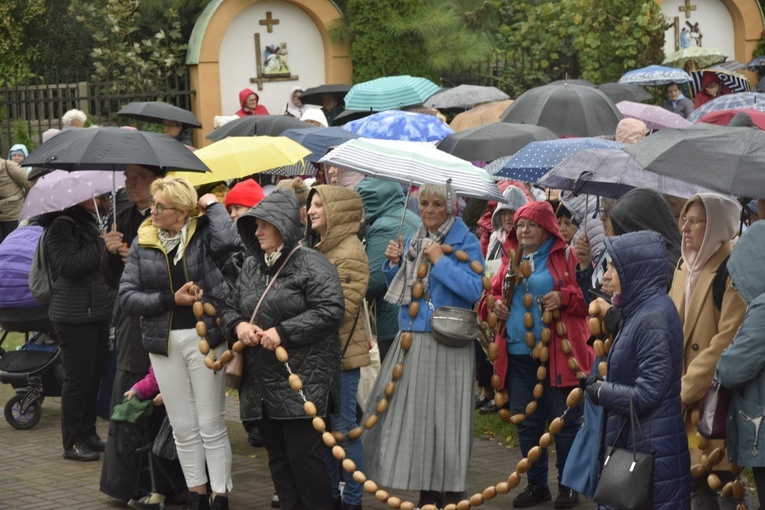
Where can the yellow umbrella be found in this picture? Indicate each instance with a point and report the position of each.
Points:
(237, 157)
(480, 115)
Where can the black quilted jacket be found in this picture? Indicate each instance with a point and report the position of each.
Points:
(305, 305)
(145, 285)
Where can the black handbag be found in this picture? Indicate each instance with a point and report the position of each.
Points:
(626, 480)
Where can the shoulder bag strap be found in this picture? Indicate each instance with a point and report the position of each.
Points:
(350, 335)
(262, 296)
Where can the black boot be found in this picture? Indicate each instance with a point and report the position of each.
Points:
(197, 502)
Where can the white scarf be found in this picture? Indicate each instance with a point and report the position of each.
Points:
(170, 242)
(274, 256)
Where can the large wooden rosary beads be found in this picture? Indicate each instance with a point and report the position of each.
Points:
(200, 309)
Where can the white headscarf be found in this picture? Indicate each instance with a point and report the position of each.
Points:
(292, 108)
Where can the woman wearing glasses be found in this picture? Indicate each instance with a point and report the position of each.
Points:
(552, 286)
(172, 264)
(711, 312)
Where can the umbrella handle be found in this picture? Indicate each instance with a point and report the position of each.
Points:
(403, 214)
(98, 214)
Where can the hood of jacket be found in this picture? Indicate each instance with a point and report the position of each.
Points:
(282, 210)
(540, 213)
(244, 94)
(747, 262)
(379, 197)
(19, 147)
(721, 225)
(581, 206)
(343, 210)
(640, 259)
(645, 209)
(515, 199)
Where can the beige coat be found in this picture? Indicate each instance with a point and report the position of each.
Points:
(13, 187)
(343, 210)
(707, 333)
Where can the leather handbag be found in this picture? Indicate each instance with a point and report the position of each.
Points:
(626, 480)
(454, 327)
(235, 367)
(714, 411)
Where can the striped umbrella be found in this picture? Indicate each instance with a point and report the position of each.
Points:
(389, 93)
(735, 81)
(414, 163)
(737, 101)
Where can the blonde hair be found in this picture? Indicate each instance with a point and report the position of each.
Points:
(298, 187)
(178, 191)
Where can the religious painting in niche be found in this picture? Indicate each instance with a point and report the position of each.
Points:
(276, 60)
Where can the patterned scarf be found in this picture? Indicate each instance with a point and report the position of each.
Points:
(170, 242)
(271, 259)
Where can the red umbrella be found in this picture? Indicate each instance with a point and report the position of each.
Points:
(723, 117)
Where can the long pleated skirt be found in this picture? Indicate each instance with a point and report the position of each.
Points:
(423, 440)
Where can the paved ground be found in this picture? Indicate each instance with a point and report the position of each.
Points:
(34, 475)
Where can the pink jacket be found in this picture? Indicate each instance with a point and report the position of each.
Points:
(147, 387)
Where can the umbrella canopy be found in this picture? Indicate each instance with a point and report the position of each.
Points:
(618, 92)
(655, 117)
(701, 57)
(756, 63)
(611, 173)
(465, 96)
(59, 190)
(655, 75)
(537, 158)
(157, 111)
(390, 93)
(400, 125)
(567, 110)
(319, 140)
(739, 101)
(416, 163)
(313, 95)
(350, 115)
(578, 81)
(729, 160)
(480, 115)
(112, 148)
(487, 143)
(724, 117)
(735, 81)
(237, 157)
(731, 65)
(250, 126)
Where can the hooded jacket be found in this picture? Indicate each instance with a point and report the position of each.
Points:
(702, 97)
(13, 187)
(243, 95)
(707, 330)
(741, 365)
(343, 211)
(580, 206)
(561, 264)
(645, 365)
(19, 147)
(146, 290)
(495, 251)
(383, 206)
(305, 305)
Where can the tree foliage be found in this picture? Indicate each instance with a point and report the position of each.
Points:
(17, 18)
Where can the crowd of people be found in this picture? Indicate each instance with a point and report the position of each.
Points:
(295, 273)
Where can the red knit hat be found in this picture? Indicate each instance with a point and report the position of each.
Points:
(246, 193)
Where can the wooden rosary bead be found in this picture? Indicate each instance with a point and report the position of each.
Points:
(382, 406)
(495, 381)
(541, 373)
(281, 354)
(595, 329)
(198, 309)
(714, 482)
(382, 495)
(502, 488)
(414, 309)
(486, 282)
(545, 334)
(513, 480)
(422, 270)
(355, 432)
(599, 348)
(476, 499)
(370, 421)
(529, 338)
(565, 346)
(447, 249)
(490, 302)
(493, 353)
(547, 317)
(539, 390)
(491, 320)
(477, 267)
(394, 502)
(201, 328)
(499, 400)
(390, 389)
(328, 439)
(546, 440)
(398, 370)
(370, 486)
(309, 408)
(217, 366)
(319, 424)
(531, 407)
(575, 398)
(338, 452)
(556, 426)
(528, 300)
(226, 356)
(204, 346)
(417, 290)
(594, 309)
(504, 415)
(359, 477)
(238, 346)
(517, 419)
(535, 454)
(295, 382)
(462, 255)
(525, 268)
(528, 320)
(523, 466)
(209, 362)
(349, 466)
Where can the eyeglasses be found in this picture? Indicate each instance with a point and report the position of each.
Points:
(160, 207)
(691, 222)
(523, 226)
(602, 213)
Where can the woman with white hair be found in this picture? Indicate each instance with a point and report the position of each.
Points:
(73, 118)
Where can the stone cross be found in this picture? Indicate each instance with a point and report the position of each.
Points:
(687, 8)
(271, 22)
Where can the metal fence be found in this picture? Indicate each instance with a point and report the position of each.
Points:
(486, 72)
(40, 105)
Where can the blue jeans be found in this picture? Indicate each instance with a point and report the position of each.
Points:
(343, 422)
(522, 371)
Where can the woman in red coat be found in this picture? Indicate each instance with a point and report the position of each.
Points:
(711, 88)
(248, 99)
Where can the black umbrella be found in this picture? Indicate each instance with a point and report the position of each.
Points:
(567, 110)
(580, 82)
(111, 148)
(487, 143)
(725, 159)
(157, 111)
(272, 125)
(619, 92)
(313, 95)
(350, 115)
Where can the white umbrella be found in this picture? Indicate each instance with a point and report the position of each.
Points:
(414, 163)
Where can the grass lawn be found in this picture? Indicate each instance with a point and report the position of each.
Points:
(491, 426)
(12, 341)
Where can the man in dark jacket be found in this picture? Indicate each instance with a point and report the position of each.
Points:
(383, 206)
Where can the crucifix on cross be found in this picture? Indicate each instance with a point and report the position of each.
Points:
(261, 77)
(687, 8)
(269, 22)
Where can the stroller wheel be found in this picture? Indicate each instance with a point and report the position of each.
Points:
(22, 412)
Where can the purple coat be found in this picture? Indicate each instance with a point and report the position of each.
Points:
(16, 253)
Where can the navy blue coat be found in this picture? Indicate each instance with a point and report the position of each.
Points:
(645, 364)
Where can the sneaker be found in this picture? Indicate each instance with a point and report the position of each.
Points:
(567, 498)
(489, 408)
(151, 501)
(275, 503)
(481, 400)
(197, 502)
(219, 503)
(80, 452)
(532, 495)
(95, 443)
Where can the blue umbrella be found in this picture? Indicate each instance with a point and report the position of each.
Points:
(389, 93)
(319, 139)
(537, 158)
(736, 101)
(655, 75)
(400, 125)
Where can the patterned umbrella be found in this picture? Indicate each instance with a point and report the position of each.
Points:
(735, 81)
(701, 57)
(400, 125)
(480, 115)
(655, 75)
(465, 96)
(389, 93)
(737, 101)
(416, 163)
(756, 63)
(655, 117)
(537, 158)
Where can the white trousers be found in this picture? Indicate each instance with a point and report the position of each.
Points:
(195, 400)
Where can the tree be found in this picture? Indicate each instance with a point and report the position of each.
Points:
(17, 18)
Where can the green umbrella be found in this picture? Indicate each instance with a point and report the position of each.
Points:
(132, 409)
(389, 93)
(701, 57)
